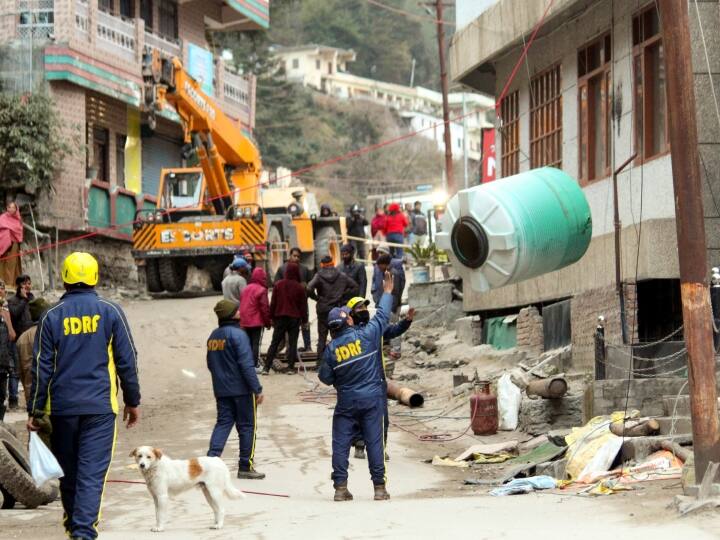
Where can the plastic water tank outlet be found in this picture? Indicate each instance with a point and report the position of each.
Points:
(469, 242)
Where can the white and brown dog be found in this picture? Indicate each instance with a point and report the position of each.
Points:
(167, 477)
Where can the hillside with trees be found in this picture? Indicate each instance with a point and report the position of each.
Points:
(296, 127)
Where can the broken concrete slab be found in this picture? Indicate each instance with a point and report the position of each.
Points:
(538, 416)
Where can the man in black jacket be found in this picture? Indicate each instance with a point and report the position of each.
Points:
(329, 288)
(356, 224)
(21, 321)
(353, 269)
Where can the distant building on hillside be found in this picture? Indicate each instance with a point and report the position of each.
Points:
(310, 65)
(325, 69)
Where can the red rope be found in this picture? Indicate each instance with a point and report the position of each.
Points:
(506, 88)
(113, 481)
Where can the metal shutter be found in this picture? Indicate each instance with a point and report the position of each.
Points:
(158, 153)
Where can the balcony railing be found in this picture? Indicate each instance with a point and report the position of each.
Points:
(236, 89)
(82, 17)
(163, 45)
(116, 35)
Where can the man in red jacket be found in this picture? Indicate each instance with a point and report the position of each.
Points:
(395, 225)
(288, 310)
(255, 311)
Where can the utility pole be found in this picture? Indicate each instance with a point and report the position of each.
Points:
(450, 179)
(466, 173)
(694, 290)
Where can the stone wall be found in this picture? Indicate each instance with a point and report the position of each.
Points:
(645, 395)
(530, 331)
(586, 307)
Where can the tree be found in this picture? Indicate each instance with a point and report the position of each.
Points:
(32, 146)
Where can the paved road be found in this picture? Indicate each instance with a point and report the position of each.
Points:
(293, 449)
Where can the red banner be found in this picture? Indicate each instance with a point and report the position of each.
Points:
(488, 155)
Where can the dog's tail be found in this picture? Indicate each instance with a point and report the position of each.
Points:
(230, 490)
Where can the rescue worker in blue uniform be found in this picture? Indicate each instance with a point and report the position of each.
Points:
(358, 307)
(82, 347)
(352, 363)
(237, 389)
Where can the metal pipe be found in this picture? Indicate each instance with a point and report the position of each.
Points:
(406, 396)
(616, 222)
(551, 388)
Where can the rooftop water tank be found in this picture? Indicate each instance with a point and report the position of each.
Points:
(516, 228)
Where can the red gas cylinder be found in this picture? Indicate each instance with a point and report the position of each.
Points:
(483, 410)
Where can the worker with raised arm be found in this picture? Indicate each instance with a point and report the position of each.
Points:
(352, 363)
(82, 347)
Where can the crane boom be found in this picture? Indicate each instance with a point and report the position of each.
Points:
(218, 141)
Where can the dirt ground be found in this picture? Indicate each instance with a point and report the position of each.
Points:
(293, 449)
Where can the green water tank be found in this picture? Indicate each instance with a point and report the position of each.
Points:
(516, 228)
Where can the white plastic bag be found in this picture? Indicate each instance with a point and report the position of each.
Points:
(43, 464)
(509, 398)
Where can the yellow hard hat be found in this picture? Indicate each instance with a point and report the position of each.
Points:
(80, 267)
(357, 300)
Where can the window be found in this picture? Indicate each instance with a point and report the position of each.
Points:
(120, 160)
(594, 106)
(329, 68)
(317, 64)
(146, 13)
(510, 134)
(127, 8)
(100, 153)
(546, 119)
(168, 19)
(296, 63)
(650, 105)
(105, 5)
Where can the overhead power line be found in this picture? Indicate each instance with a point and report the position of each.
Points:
(408, 14)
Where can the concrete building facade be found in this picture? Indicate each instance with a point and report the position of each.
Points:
(589, 96)
(87, 54)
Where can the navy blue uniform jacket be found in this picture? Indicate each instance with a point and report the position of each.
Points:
(352, 362)
(231, 362)
(82, 346)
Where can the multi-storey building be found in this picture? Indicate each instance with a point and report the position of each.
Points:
(87, 55)
(590, 95)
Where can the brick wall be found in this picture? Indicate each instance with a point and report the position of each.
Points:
(586, 307)
(63, 208)
(530, 331)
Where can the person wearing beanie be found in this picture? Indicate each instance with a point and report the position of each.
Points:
(236, 387)
(36, 308)
(236, 281)
(329, 288)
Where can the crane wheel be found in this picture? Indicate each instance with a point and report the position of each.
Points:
(327, 242)
(172, 274)
(152, 276)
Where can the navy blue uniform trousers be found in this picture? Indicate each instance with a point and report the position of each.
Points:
(369, 415)
(357, 434)
(238, 411)
(83, 445)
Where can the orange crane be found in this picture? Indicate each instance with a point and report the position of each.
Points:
(206, 214)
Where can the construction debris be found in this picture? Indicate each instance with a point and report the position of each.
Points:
(524, 485)
(635, 428)
(550, 388)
